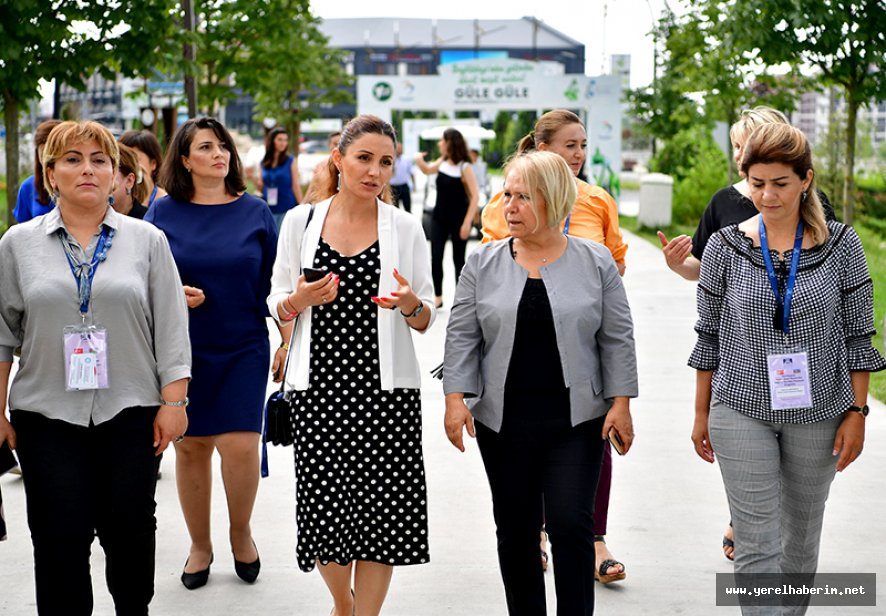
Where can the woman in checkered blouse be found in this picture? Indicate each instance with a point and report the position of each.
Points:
(778, 452)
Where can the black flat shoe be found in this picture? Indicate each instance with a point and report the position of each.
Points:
(248, 572)
(193, 581)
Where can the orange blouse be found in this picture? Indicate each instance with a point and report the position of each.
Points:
(594, 217)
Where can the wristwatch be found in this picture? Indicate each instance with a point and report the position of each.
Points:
(416, 312)
(864, 410)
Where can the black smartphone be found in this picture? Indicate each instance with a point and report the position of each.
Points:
(313, 275)
(615, 441)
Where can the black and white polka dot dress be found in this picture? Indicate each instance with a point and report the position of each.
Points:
(358, 460)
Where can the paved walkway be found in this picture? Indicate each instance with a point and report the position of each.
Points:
(667, 514)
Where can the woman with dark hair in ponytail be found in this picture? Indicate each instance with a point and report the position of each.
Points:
(456, 206)
(354, 371)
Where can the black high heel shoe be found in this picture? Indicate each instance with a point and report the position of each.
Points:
(193, 581)
(248, 572)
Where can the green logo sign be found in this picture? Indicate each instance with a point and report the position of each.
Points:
(572, 91)
(382, 91)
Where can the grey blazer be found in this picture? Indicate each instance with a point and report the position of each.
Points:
(592, 320)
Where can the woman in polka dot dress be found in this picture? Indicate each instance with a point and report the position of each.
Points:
(361, 504)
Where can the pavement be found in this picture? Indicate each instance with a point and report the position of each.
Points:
(666, 519)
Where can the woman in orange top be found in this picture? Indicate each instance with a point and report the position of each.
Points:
(595, 217)
(595, 213)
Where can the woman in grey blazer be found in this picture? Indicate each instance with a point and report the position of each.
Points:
(540, 353)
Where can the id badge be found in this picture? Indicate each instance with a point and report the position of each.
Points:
(86, 357)
(789, 384)
(272, 195)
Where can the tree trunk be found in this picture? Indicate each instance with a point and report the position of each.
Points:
(10, 118)
(849, 174)
(731, 114)
(293, 127)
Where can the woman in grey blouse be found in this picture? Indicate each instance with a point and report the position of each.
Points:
(94, 302)
(783, 358)
(540, 344)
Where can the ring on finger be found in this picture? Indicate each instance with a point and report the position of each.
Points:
(179, 438)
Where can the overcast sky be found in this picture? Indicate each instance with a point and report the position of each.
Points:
(605, 28)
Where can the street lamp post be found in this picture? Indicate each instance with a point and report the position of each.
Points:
(190, 57)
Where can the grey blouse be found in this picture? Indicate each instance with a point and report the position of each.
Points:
(136, 295)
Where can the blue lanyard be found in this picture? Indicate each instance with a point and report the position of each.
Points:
(783, 304)
(566, 226)
(83, 272)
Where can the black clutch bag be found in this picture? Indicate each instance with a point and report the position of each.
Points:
(7, 459)
(279, 428)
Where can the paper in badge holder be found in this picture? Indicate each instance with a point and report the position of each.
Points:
(86, 357)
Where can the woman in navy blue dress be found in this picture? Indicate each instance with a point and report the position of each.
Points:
(279, 182)
(224, 243)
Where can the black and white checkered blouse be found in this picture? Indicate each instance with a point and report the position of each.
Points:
(832, 318)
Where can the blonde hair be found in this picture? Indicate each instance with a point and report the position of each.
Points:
(67, 134)
(548, 175)
(129, 164)
(749, 119)
(782, 143)
(545, 129)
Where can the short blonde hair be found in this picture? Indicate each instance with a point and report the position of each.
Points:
(67, 134)
(751, 119)
(548, 175)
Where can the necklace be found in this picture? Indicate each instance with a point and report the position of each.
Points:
(514, 252)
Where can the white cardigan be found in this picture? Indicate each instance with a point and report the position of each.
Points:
(402, 245)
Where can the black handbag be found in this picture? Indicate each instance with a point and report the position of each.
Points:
(279, 428)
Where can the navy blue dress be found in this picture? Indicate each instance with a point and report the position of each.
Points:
(228, 250)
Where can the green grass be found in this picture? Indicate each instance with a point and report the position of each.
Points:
(875, 250)
(873, 238)
(630, 223)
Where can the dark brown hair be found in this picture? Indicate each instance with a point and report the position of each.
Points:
(546, 127)
(361, 125)
(145, 141)
(129, 164)
(456, 148)
(270, 158)
(782, 143)
(40, 137)
(177, 180)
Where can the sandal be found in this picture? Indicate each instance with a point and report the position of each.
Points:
(544, 554)
(600, 574)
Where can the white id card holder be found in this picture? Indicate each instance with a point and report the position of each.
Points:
(86, 357)
(273, 193)
(789, 384)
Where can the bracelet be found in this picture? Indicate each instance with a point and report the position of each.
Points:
(288, 314)
(284, 346)
(177, 403)
(418, 310)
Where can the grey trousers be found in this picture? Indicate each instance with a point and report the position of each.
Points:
(777, 478)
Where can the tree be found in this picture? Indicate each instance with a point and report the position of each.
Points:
(68, 41)
(844, 39)
(288, 66)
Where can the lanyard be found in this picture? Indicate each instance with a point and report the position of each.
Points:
(566, 226)
(84, 272)
(783, 304)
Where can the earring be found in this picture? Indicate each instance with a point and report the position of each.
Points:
(188, 169)
(803, 197)
(128, 191)
(338, 187)
(111, 200)
(54, 197)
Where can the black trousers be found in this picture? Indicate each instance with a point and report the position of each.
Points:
(83, 481)
(440, 233)
(402, 195)
(544, 473)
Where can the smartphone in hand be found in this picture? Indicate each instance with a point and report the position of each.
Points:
(313, 275)
(615, 441)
